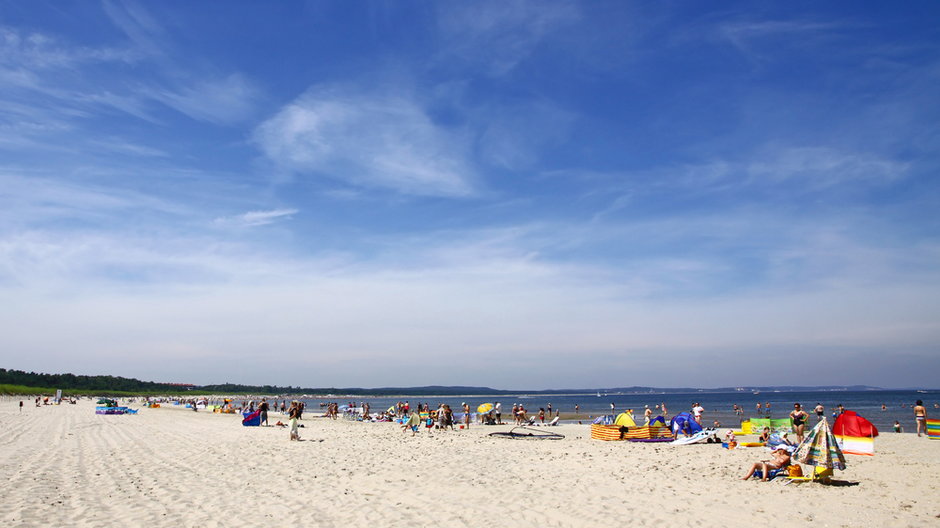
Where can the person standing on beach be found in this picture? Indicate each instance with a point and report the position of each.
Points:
(466, 415)
(498, 409)
(920, 416)
(577, 409)
(647, 415)
(697, 411)
(611, 407)
(294, 414)
(549, 409)
(760, 409)
(263, 407)
(799, 417)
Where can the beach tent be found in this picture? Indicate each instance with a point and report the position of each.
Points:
(820, 448)
(252, 419)
(855, 435)
(624, 419)
(684, 423)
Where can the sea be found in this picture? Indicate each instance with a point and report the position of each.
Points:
(718, 405)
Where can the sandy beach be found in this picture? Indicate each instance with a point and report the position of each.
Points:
(67, 466)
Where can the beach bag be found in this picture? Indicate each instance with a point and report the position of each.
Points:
(795, 470)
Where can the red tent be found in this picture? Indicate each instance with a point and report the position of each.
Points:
(849, 423)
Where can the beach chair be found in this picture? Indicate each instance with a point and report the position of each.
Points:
(820, 474)
(772, 474)
(554, 421)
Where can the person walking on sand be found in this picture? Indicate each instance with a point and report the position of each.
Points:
(21, 405)
(263, 407)
(294, 414)
(920, 416)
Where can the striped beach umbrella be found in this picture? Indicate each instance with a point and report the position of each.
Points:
(820, 448)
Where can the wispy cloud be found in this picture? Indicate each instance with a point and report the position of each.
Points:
(256, 218)
(497, 36)
(367, 140)
(221, 100)
(748, 35)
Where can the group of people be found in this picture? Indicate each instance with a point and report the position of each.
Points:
(441, 418)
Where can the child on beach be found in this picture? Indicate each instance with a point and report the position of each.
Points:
(897, 426)
(764, 436)
(414, 421)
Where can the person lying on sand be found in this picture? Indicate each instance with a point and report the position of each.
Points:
(781, 458)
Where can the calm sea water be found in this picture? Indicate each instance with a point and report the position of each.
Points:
(718, 406)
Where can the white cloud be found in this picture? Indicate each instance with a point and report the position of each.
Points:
(256, 218)
(371, 141)
(497, 36)
(495, 302)
(221, 100)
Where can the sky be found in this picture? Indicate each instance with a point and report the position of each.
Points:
(513, 194)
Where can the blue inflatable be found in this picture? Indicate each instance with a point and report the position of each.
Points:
(684, 423)
(252, 419)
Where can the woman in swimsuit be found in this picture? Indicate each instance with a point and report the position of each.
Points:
(920, 416)
(781, 459)
(799, 417)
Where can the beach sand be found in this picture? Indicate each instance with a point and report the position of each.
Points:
(66, 466)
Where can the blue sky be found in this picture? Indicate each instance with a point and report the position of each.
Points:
(513, 194)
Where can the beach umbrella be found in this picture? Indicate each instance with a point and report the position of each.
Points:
(820, 448)
(485, 408)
